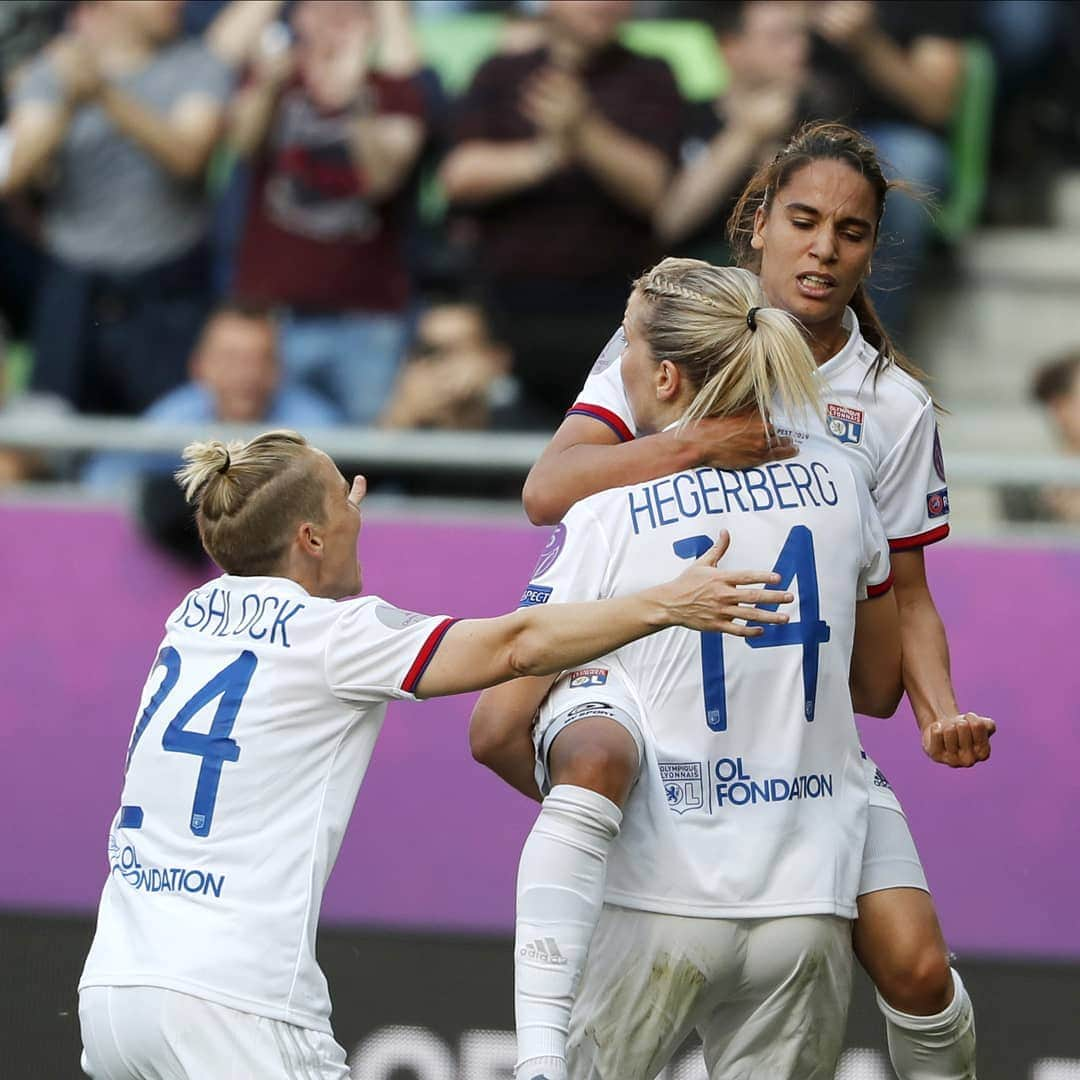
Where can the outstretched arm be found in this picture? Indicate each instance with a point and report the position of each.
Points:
(959, 740)
(543, 640)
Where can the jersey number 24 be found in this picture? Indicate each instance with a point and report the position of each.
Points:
(215, 747)
(795, 562)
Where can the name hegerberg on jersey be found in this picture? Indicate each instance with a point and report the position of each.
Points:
(710, 492)
(753, 795)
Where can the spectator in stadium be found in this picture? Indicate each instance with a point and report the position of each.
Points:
(458, 376)
(332, 120)
(765, 45)
(235, 378)
(115, 122)
(561, 157)
(1056, 387)
(894, 71)
(25, 27)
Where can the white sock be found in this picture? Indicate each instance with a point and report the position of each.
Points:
(940, 1047)
(560, 891)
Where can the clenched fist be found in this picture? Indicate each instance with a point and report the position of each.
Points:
(960, 741)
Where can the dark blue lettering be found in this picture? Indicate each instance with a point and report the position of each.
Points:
(279, 623)
(196, 603)
(779, 487)
(728, 492)
(753, 488)
(709, 489)
(662, 501)
(819, 467)
(244, 626)
(696, 504)
(794, 471)
(647, 508)
(267, 601)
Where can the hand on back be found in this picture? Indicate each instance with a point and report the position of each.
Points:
(705, 597)
(737, 442)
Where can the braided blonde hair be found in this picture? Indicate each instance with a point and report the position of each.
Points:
(250, 496)
(699, 318)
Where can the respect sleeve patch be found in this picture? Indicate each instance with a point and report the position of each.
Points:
(535, 594)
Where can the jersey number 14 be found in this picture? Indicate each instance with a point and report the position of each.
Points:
(795, 562)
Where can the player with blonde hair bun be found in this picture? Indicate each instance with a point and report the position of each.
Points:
(256, 726)
(706, 804)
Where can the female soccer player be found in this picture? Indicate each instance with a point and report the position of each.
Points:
(746, 827)
(807, 223)
(258, 721)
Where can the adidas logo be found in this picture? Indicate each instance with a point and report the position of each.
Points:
(543, 950)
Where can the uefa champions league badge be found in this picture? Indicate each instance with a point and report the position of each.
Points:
(610, 352)
(937, 503)
(844, 424)
(551, 551)
(939, 457)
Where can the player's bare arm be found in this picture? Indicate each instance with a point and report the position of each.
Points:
(876, 668)
(949, 737)
(585, 456)
(543, 640)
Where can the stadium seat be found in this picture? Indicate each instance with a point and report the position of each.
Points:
(969, 140)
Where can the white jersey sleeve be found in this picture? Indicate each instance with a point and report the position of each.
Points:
(603, 397)
(574, 563)
(911, 494)
(875, 577)
(377, 652)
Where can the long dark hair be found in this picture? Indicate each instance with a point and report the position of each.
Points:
(818, 141)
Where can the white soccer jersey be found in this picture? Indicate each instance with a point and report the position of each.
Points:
(256, 726)
(887, 425)
(753, 797)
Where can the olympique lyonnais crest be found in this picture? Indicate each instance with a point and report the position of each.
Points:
(592, 676)
(684, 785)
(844, 424)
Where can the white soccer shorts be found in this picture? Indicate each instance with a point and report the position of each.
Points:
(768, 997)
(147, 1033)
(890, 860)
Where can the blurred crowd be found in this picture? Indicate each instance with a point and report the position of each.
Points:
(280, 211)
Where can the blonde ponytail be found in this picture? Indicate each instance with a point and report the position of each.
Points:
(699, 318)
(249, 497)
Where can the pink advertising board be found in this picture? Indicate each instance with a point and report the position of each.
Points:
(434, 839)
